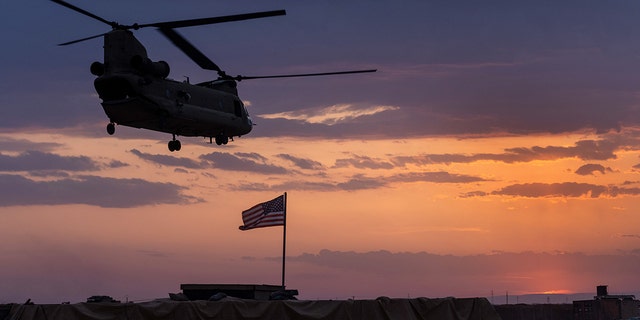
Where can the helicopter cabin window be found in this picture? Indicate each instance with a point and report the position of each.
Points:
(237, 108)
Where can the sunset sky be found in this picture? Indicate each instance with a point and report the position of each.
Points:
(497, 149)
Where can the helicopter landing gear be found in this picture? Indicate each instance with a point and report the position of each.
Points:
(111, 128)
(222, 139)
(174, 145)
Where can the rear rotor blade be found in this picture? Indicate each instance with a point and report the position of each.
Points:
(212, 20)
(191, 51)
(239, 78)
(85, 12)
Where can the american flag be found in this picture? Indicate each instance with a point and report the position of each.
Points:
(266, 214)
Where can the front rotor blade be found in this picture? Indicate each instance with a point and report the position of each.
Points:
(191, 51)
(83, 39)
(201, 21)
(85, 12)
(239, 78)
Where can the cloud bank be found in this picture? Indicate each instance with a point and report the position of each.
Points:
(90, 190)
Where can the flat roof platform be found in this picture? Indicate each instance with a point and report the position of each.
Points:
(243, 291)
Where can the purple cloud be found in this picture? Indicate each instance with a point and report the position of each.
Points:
(90, 190)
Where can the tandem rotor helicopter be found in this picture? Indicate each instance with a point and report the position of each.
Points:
(136, 92)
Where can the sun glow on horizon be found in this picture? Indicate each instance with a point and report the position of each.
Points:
(556, 291)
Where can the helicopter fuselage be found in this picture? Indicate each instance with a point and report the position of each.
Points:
(173, 107)
(136, 92)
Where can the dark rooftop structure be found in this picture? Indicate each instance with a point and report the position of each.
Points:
(229, 308)
(606, 307)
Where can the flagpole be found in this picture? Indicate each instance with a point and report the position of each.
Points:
(284, 238)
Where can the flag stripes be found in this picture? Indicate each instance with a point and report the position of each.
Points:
(266, 214)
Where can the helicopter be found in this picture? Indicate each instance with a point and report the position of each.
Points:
(136, 91)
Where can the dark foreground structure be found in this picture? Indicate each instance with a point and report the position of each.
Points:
(607, 307)
(233, 308)
(536, 311)
(603, 307)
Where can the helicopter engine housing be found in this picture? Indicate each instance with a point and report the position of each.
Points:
(158, 69)
(97, 68)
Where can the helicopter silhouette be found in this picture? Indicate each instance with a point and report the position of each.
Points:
(136, 92)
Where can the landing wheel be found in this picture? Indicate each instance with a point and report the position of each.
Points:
(174, 145)
(111, 128)
(222, 139)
